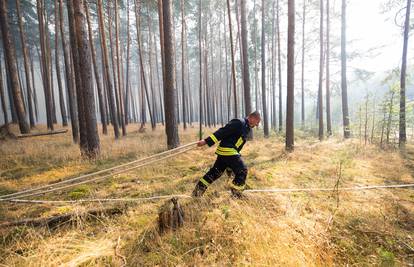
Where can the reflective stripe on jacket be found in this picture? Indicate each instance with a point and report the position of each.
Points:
(231, 137)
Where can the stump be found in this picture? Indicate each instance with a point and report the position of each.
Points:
(171, 216)
(6, 133)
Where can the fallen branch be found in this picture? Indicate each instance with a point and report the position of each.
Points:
(57, 220)
(42, 133)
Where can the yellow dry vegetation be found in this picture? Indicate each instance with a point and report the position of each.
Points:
(373, 227)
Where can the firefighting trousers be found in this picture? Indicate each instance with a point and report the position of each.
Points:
(235, 163)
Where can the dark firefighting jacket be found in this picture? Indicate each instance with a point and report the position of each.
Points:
(232, 137)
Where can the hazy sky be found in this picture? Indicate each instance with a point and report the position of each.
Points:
(368, 28)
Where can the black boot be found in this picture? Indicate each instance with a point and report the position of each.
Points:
(236, 193)
(199, 190)
(237, 190)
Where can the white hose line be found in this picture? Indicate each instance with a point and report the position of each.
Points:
(94, 173)
(94, 179)
(97, 200)
(276, 190)
(289, 190)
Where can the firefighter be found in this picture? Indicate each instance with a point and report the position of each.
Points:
(231, 139)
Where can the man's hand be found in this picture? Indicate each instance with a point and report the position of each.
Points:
(201, 143)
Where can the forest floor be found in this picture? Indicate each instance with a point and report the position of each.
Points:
(372, 227)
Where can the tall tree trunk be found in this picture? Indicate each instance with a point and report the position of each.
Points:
(228, 88)
(45, 68)
(118, 69)
(49, 63)
(220, 82)
(69, 81)
(207, 89)
(151, 73)
(273, 71)
(57, 64)
(3, 97)
(320, 102)
(183, 65)
(144, 81)
(255, 56)
(328, 90)
(303, 65)
(246, 73)
(169, 90)
(36, 109)
(344, 90)
(374, 111)
(127, 82)
(10, 93)
(77, 73)
(10, 54)
(402, 122)
(110, 89)
(200, 48)
(290, 101)
(279, 64)
(265, 120)
(233, 67)
(239, 43)
(190, 106)
(26, 65)
(102, 108)
(112, 55)
(85, 63)
(159, 84)
(177, 100)
(390, 112)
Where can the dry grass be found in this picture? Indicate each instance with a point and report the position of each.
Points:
(300, 229)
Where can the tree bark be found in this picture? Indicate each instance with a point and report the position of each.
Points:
(144, 81)
(77, 77)
(402, 122)
(264, 100)
(127, 82)
(112, 55)
(110, 89)
(279, 64)
(10, 54)
(246, 72)
(49, 61)
(344, 90)
(303, 65)
(69, 82)
(26, 65)
(45, 68)
(57, 65)
(233, 67)
(10, 93)
(169, 90)
(118, 69)
(102, 108)
(320, 102)
(239, 43)
(200, 48)
(159, 84)
(328, 89)
(183, 65)
(151, 75)
(34, 88)
(273, 72)
(290, 101)
(255, 56)
(2, 96)
(85, 64)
